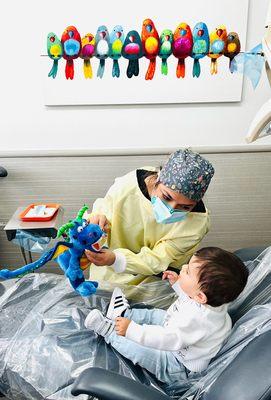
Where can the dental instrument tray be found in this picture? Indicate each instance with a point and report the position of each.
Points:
(39, 212)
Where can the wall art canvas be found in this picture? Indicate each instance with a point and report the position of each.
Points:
(142, 52)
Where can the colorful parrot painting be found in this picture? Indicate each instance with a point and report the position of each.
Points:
(166, 40)
(87, 51)
(217, 46)
(132, 50)
(183, 43)
(116, 43)
(182, 47)
(151, 45)
(102, 48)
(54, 51)
(201, 44)
(69, 254)
(232, 47)
(71, 42)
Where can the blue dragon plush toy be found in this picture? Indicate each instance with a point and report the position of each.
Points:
(79, 235)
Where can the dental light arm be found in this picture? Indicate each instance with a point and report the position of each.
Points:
(261, 125)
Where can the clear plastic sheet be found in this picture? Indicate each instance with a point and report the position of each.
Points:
(44, 345)
(31, 241)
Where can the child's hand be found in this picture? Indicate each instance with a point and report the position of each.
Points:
(100, 220)
(171, 276)
(122, 325)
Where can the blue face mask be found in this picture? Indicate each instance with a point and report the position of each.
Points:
(164, 214)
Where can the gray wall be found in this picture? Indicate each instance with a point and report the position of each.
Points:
(238, 197)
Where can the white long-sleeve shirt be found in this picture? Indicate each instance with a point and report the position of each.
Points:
(194, 332)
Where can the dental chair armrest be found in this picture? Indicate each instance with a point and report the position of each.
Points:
(107, 385)
(248, 376)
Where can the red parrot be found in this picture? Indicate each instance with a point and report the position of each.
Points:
(151, 45)
(71, 41)
(182, 47)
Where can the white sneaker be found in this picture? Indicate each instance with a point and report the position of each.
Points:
(118, 304)
(95, 321)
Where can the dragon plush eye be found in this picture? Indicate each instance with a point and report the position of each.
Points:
(79, 229)
(84, 224)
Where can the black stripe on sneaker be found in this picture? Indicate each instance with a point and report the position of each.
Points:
(117, 306)
(119, 302)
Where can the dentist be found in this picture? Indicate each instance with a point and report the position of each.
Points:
(154, 220)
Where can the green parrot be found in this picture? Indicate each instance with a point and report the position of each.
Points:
(166, 39)
(54, 51)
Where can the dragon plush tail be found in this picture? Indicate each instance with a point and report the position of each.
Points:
(180, 71)
(164, 67)
(27, 269)
(116, 69)
(53, 72)
(87, 69)
(196, 69)
(69, 70)
(151, 70)
(101, 68)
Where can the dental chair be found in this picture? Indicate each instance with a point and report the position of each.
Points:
(246, 377)
(47, 353)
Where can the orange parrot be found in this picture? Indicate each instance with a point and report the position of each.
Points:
(151, 45)
(218, 40)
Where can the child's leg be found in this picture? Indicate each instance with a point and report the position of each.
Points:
(162, 364)
(147, 316)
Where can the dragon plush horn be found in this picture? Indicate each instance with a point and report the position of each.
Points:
(82, 212)
(64, 228)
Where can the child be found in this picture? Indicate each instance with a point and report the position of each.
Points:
(189, 334)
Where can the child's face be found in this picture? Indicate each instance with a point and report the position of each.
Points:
(189, 280)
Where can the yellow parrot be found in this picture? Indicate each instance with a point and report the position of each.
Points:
(218, 40)
(87, 51)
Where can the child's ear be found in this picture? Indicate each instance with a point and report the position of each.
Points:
(201, 298)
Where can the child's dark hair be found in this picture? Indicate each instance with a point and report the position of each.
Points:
(222, 277)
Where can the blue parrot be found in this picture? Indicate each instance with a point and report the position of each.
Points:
(102, 47)
(201, 45)
(116, 43)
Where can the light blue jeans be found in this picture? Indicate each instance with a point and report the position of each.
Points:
(162, 364)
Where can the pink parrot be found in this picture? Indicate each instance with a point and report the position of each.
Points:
(182, 47)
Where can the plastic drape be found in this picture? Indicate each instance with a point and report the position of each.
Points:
(44, 345)
(31, 241)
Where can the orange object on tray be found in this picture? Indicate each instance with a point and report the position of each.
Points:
(39, 212)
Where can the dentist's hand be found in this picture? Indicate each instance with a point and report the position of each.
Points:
(171, 276)
(100, 220)
(104, 257)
